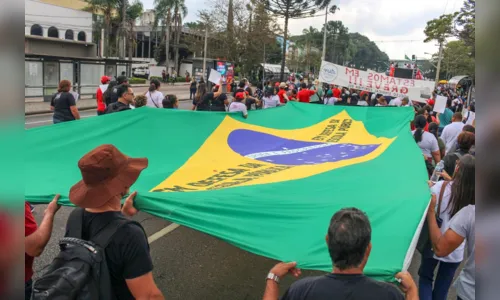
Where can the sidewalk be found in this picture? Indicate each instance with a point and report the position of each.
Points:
(33, 106)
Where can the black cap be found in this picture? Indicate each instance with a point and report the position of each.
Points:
(121, 79)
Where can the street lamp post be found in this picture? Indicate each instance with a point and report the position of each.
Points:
(205, 51)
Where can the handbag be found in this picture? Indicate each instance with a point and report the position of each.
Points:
(424, 241)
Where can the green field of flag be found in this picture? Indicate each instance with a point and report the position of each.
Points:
(268, 184)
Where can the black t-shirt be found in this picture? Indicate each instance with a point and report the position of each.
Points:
(193, 85)
(127, 254)
(341, 287)
(204, 104)
(62, 103)
(116, 107)
(211, 103)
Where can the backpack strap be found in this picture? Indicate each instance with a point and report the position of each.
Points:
(74, 225)
(105, 235)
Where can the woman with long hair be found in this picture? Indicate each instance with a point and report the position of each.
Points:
(198, 97)
(456, 194)
(63, 104)
(465, 141)
(192, 89)
(425, 140)
(155, 97)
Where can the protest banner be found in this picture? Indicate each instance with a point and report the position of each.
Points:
(416, 90)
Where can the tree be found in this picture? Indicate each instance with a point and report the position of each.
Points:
(457, 60)
(163, 11)
(180, 12)
(292, 9)
(106, 7)
(439, 30)
(134, 11)
(466, 19)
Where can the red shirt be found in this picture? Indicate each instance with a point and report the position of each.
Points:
(281, 94)
(304, 95)
(101, 106)
(29, 228)
(336, 93)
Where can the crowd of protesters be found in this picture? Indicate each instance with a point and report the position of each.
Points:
(445, 139)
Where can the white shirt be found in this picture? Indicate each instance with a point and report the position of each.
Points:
(103, 87)
(155, 99)
(428, 144)
(445, 214)
(238, 106)
(272, 101)
(470, 118)
(330, 101)
(450, 134)
(362, 103)
(395, 102)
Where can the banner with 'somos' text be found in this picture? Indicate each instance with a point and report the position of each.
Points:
(415, 90)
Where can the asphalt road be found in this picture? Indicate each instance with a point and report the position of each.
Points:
(189, 265)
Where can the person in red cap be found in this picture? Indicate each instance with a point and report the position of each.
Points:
(107, 175)
(238, 104)
(101, 104)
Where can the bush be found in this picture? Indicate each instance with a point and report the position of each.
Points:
(135, 80)
(156, 77)
(180, 79)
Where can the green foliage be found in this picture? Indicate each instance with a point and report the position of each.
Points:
(135, 80)
(457, 60)
(466, 20)
(440, 29)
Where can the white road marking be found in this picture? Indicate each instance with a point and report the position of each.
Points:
(155, 236)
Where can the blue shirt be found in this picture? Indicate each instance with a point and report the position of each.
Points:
(445, 118)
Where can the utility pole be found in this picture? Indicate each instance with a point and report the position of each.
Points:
(323, 55)
(205, 50)
(123, 31)
(439, 62)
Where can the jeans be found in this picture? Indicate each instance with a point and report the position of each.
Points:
(56, 120)
(444, 277)
(28, 287)
(192, 92)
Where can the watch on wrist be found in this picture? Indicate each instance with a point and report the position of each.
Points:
(273, 277)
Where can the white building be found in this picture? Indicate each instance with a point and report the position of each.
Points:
(51, 21)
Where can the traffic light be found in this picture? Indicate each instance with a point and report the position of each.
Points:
(413, 57)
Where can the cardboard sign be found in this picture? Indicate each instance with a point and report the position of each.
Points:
(214, 76)
(440, 104)
(416, 90)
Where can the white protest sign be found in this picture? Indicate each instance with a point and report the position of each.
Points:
(214, 76)
(416, 90)
(440, 104)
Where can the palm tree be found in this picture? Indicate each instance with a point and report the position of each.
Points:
(163, 11)
(106, 7)
(309, 35)
(134, 11)
(180, 12)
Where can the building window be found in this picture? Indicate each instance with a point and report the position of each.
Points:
(69, 35)
(36, 30)
(53, 32)
(82, 37)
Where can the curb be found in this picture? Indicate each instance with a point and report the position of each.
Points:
(41, 112)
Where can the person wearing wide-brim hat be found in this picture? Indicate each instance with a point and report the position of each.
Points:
(282, 93)
(108, 175)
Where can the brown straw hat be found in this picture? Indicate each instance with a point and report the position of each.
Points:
(106, 173)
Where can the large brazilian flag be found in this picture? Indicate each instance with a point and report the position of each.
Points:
(268, 184)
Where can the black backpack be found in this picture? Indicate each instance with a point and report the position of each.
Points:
(107, 94)
(80, 271)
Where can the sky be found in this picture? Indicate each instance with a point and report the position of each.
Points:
(396, 26)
